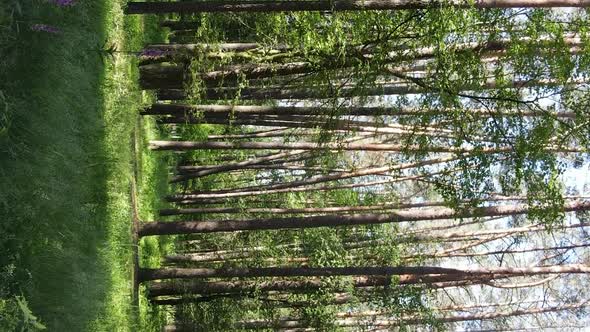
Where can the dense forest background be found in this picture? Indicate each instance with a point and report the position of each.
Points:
(294, 165)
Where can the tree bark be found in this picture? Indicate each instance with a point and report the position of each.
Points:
(244, 287)
(348, 90)
(333, 5)
(192, 273)
(419, 272)
(208, 145)
(176, 287)
(332, 209)
(228, 110)
(494, 252)
(273, 188)
(242, 164)
(190, 227)
(279, 132)
(162, 76)
(282, 167)
(223, 47)
(410, 320)
(358, 55)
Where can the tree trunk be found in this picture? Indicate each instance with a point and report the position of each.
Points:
(252, 134)
(494, 252)
(245, 287)
(265, 70)
(408, 86)
(228, 110)
(282, 157)
(207, 145)
(178, 288)
(180, 25)
(275, 188)
(242, 164)
(409, 320)
(190, 227)
(332, 209)
(282, 167)
(334, 124)
(333, 5)
(418, 272)
(162, 76)
(222, 47)
(192, 273)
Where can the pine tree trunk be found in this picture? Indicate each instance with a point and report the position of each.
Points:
(333, 5)
(229, 110)
(420, 272)
(180, 25)
(325, 178)
(161, 76)
(333, 209)
(414, 86)
(190, 227)
(379, 320)
(495, 252)
(222, 47)
(240, 165)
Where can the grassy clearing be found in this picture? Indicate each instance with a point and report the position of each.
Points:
(66, 126)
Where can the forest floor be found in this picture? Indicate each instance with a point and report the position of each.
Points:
(68, 123)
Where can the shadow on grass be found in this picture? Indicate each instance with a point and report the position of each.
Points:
(55, 163)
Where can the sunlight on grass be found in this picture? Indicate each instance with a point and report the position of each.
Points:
(123, 98)
(67, 119)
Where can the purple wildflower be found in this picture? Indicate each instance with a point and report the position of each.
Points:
(45, 28)
(63, 3)
(153, 52)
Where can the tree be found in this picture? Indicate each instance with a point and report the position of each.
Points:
(421, 272)
(187, 227)
(337, 5)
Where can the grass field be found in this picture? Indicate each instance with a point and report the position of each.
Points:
(68, 119)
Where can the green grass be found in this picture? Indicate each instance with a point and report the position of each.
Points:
(66, 163)
(151, 175)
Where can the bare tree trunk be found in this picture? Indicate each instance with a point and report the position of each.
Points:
(333, 209)
(295, 187)
(190, 169)
(222, 47)
(335, 124)
(352, 245)
(494, 252)
(242, 164)
(227, 110)
(272, 158)
(409, 85)
(417, 272)
(189, 227)
(162, 76)
(188, 273)
(409, 320)
(180, 25)
(356, 55)
(274, 188)
(334, 5)
(245, 287)
(177, 288)
(206, 145)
